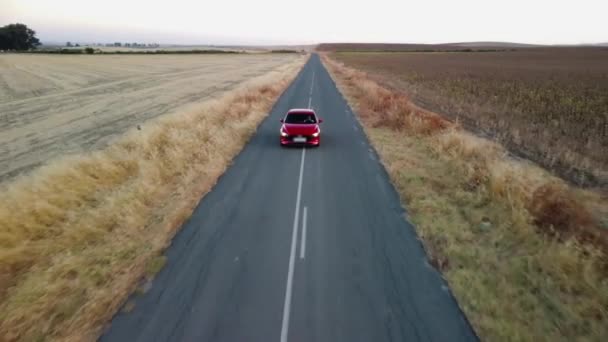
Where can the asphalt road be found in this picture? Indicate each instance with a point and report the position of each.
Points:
(298, 244)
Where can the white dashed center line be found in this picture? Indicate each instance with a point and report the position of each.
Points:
(303, 245)
(292, 256)
(310, 93)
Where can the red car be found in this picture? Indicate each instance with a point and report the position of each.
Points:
(301, 127)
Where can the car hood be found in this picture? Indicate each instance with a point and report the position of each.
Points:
(301, 129)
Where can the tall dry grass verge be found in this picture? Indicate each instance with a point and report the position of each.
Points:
(78, 235)
(511, 240)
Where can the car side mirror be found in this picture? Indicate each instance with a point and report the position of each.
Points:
(282, 120)
(320, 120)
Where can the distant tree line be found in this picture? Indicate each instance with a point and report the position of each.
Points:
(17, 37)
(90, 50)
(134, 45)
(285, 51)
(117, 44)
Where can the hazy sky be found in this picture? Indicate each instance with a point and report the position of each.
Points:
(311, 21)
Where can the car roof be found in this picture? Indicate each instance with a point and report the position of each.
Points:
(301, 111)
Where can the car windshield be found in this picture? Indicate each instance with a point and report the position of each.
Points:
(300, 118)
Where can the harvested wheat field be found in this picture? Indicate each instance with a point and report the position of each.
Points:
(55, 105)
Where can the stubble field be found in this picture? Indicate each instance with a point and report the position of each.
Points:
(56, 105)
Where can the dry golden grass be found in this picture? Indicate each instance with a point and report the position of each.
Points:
(490, 222)
(78, 234)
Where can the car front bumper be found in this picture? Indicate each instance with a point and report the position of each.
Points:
(310, 141)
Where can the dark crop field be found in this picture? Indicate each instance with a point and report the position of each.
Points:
(546, 104)
(386, 47)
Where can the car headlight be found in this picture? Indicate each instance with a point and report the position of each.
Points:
(316, 134)
(284, 134)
